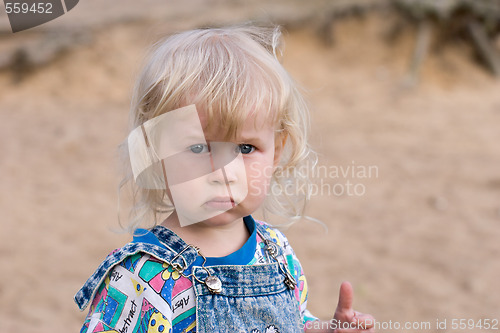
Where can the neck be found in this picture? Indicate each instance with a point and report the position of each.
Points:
(212, 240)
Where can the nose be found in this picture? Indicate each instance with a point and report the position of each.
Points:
(226, 162)
(226, 174)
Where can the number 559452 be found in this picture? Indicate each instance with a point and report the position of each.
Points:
(23, 7)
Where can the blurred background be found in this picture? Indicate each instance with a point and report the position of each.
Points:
(405, 107)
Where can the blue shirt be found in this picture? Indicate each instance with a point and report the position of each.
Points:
(242, 256)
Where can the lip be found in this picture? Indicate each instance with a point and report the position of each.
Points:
(221, 203)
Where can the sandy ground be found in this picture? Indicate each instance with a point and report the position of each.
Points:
(418, 237)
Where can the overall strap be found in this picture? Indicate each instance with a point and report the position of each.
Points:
(274, 251)
(184, 254)
(160, 243)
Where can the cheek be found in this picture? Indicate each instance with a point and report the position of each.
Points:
(259, 174)
(186, 194)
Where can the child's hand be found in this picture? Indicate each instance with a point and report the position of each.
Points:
(345, 320)
(358, 322)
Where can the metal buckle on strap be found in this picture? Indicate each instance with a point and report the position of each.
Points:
(178, 267)
(272, 249)
(213, 283)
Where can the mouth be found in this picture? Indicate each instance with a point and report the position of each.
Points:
(221, 203)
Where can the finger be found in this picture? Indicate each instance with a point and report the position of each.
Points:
(346, 296)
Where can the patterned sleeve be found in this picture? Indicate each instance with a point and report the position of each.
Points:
(116, 309)
(136, 296)
(294, 266)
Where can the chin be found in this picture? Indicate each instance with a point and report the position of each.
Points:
(224, 218)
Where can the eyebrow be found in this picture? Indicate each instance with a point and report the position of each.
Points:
(251, 139)
(240, 139)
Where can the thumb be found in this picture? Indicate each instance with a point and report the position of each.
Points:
(346, 296)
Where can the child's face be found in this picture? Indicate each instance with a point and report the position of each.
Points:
(243, 168)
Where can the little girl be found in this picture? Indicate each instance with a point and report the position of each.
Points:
(218, 131)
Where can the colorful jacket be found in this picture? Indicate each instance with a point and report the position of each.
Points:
(136, 289)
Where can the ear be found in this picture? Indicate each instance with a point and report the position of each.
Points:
(279, 146)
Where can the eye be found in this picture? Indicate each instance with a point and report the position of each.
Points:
(199, 148)
(246, 148)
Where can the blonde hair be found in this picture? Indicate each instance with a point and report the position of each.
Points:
(229, 72)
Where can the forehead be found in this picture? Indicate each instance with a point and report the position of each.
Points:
(225, 125)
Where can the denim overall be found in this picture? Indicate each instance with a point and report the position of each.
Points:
(229, 298)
